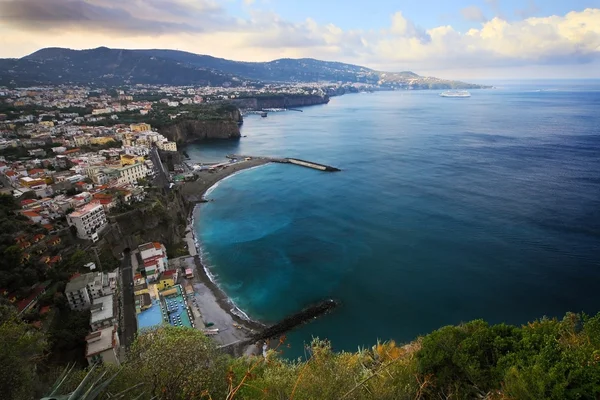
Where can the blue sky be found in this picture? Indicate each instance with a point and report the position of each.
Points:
(374, 14)
(466, 39)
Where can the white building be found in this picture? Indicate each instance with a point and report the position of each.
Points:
(103, 346)
(154, 259)
(103, 313)
(88, 220)
(167, 146)
(77, 294)
(132, 173)
(82, 291)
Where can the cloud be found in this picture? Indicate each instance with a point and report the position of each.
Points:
(528, 11)
(203, 26)
(473, 13)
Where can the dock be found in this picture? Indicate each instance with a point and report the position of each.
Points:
(295, 161)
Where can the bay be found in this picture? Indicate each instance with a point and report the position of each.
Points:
(445, 210)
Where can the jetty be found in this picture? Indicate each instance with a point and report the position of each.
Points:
(295, 161)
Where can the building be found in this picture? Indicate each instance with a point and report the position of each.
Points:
(103, 346)
(167, 279)
(130, 159)
(88, 220)
(142, 302)
(132, 173)
(77, 294)
(167, 146)
(154, 259)
(142, 127)
(83, 290)
(103, 313)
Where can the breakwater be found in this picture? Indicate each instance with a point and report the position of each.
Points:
(295, 320)
(295, 161)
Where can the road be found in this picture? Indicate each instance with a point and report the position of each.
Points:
(161, 178)
(128, 302)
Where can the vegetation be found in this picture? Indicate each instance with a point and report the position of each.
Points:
(21, 349)
(545, 359)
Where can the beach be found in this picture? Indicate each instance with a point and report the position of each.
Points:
(212, 305)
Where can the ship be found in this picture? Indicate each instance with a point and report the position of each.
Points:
(455, 93)
(263, 114)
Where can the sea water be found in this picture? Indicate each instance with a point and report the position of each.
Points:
(446, 210)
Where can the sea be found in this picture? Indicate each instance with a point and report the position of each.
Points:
(446, 210)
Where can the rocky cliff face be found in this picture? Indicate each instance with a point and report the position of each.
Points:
(191, 130)
(258, 103)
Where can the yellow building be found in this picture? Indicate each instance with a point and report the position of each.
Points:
(166, 281)
(129, 159)
(140, 289)
(47, 124)
(141, 127)
(101, 140)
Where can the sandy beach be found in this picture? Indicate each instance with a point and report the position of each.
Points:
(212, 304)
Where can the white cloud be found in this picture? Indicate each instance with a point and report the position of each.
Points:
(473, 13)
(204, 27)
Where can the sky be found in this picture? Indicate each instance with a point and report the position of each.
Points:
(455, 39)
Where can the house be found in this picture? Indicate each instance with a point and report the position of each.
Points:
(38, 237)
(167, 279)
(31, 300)
(102, 313)
(33, 216)
(142, 302)
(103, 346)
(54, 260)
(88, 220)
(106, 200)
(154, 259)
(54, 240)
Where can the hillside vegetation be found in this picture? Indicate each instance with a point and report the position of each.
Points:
(545, 359)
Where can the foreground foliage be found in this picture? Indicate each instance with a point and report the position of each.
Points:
(545, 359)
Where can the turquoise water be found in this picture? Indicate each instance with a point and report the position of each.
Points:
(446, 210)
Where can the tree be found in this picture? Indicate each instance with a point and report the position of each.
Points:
(21, 351)
(179, 363)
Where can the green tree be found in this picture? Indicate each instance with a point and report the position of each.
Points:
(179, 363)
(21, 352)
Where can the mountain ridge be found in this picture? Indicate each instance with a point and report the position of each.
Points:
(106, 66)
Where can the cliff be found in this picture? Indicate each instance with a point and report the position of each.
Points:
(259, 103)
(188, 130)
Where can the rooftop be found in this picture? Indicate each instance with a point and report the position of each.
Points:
(99, 341)
(84, 210)
(102, 309)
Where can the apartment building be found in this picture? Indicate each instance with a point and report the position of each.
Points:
(132, 173)
(88, 220)
(103, 347)
(154, 259)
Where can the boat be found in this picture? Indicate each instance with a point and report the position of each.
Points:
(455, 93)
(263, 114)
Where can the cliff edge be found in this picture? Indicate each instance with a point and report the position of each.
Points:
(190, 128)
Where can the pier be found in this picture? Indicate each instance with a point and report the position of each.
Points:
(295, 161)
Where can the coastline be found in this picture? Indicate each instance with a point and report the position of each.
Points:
(213, 303)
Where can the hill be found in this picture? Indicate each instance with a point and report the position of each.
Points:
(111, 67)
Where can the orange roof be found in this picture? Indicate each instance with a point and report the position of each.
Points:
(169, 273)
(48, 226)
(44, 310)
(31, 214)
(27, 201)
(35, 171)
(10, 173)
(157, 245)
(72, 151)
